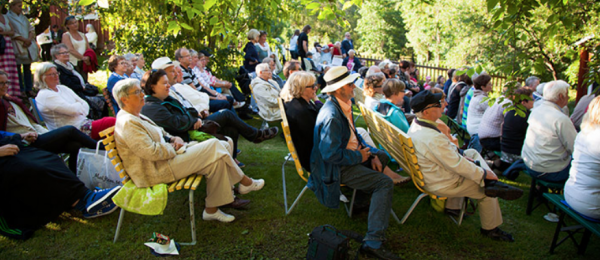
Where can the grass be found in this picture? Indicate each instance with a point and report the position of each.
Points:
(264, 232)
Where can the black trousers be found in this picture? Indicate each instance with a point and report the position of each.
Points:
(36, 187)
(233, 126)
(66, 139)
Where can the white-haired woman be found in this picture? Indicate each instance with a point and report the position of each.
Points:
(266, 91)
(251, 58)
(384, 66)
(582, 189)
(301, 109)
(352, 62)
(60, 106)
(151, 156)
(91, 36)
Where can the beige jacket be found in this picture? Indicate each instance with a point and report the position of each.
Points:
(266, 95)
(441, 164)
(144, 152)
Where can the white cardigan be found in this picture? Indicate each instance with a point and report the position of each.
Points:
(62, 107)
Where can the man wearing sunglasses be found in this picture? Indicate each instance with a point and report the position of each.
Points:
(447, 173)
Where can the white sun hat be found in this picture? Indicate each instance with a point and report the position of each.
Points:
(163, 63)
(337, 77)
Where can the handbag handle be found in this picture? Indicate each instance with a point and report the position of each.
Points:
(98, 147)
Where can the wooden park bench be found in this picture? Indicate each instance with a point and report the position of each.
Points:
(189, 183)
(587, 227)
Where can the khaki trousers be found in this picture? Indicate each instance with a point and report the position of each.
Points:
(211, 159)
(489, 208)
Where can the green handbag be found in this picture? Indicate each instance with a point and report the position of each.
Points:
(145, 201)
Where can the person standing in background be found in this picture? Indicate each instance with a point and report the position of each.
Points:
(303, 44)
(26, 49)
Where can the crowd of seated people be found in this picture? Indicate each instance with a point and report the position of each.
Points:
(180, 112)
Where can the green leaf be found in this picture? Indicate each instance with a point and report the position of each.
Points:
(245, 232)
(347, 5)
(85, 2)
(209, 3)
(313, 6)
(172, 26)
(460, 72)
(214, 20)
(186, 26)
(491, 4)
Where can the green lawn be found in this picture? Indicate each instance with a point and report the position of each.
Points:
(264, 232)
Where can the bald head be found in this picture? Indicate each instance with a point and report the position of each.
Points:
(372, 70)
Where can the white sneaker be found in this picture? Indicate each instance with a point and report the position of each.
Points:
(239, 104)
(219, 215)
(256, 185)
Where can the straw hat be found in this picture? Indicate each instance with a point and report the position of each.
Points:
(337, 77)
(163, 63)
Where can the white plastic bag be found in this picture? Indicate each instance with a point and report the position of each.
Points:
(95, 169)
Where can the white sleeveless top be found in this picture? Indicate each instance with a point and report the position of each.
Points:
(79, 46)
(5, 26)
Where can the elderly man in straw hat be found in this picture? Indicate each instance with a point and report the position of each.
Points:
(340, 155)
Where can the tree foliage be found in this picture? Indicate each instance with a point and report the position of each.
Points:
(382, 28)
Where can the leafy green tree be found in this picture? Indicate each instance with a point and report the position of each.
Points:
(382, 28)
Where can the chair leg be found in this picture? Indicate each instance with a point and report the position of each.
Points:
(119, 225)
(463, 209)
(349, 210)
(561, 219)
(395, 216)
(412, 207)
(287, 212)
(192, 220)
(532, 195)
(264, 125)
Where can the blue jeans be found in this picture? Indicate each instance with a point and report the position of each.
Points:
(215, 105)
(25, 80)
(380, 186)
(474, 143)
(560, 176)
(513, 171)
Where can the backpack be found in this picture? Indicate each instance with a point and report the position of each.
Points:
(326, 242)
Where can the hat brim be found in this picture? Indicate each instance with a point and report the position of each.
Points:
(333, 87)
(164, 66)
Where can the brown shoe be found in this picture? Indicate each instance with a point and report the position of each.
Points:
(237, 203)
(266, 134)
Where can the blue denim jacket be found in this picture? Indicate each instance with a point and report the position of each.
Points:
(329, 153)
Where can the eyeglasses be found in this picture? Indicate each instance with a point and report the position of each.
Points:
(4, 83)
(52, 74)
(137, 92)
(433, 105)
(124, 63)
(63, 53)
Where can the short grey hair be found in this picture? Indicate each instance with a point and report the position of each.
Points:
(56, 49)
(193, 53)
(383, 64)
(122, 88)
(372, 70)
(261, 67)
(253, 34)
(353, 52)
(554, 88)
(178, 53)
(529, 81)
(267, 60)
(39, 78)
(129, 56)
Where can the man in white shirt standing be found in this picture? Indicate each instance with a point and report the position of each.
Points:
(550, 137)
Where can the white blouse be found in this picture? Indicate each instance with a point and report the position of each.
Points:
(62, 107)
